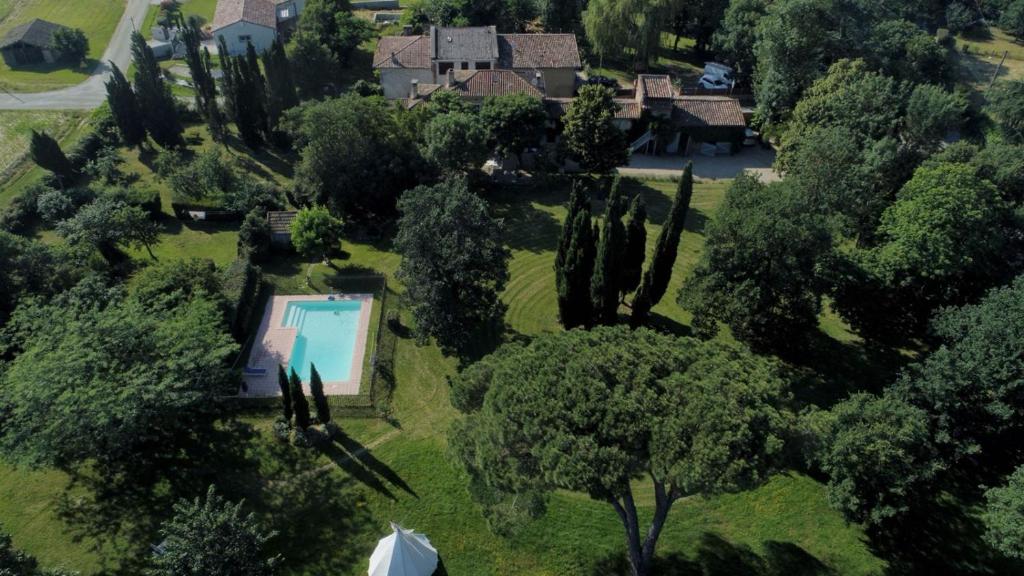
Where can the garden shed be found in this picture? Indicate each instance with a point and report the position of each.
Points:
(30, 43)
(281, 227)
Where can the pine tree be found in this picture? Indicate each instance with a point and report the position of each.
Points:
(286, 395)
(658, 274)
(604, 285)
(159, 110)
(281, 92)
(636, 247)
(46, 152)
(574, 295)
(299, 403)
(316, 386)
(202, 78)
(124, 106)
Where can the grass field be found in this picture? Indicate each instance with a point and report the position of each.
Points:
(15, 132)
(330, 506)
(981, 57)
(97, 18)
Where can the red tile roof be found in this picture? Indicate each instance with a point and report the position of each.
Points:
(261, 12)
(655, 86)
(483, 83)
(402, 52)
(520, 51)
(707, 111)
(628, 109)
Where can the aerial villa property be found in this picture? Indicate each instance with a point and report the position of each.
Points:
(477, 62)
(260, 22)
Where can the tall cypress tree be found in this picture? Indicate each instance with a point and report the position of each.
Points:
(202, 77)
(230, 89)
(658, 274)
(281, 92)
(46, 152)
(286, 393)
(124, 106)
(316, 387)
(159, 111)
(574, 295)
(636, 247)
(604, 285)
(577, 199)
(299, 403)
(244, 97)
(256, 87)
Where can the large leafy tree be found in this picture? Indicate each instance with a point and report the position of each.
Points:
(735, 39)
(878, 455)
(29, 267)
(591, 137)
(356, 158)
(455, 143)
(972, 385)
(1006, 101)
(159, 110)
(71, 44)
(1004, 515)
(454, 264)
(315, 233)
(329, 33)
(514, 123)
(211, 536)
(109, 224)
(758, 271)
(593, 411)
(114, 384)
(617, 27)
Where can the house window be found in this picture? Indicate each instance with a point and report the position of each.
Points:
(244, 39)
(464, 66)
(285, 13)
(483, 65)
(443, 68)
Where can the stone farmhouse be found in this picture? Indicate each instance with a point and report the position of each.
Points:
(257, 21)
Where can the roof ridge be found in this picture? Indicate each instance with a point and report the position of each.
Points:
(400, 50)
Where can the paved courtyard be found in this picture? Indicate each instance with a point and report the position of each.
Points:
(754, 159)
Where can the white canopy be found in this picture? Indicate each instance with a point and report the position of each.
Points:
(403, 553)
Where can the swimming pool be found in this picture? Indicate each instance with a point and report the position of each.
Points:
(325, 335)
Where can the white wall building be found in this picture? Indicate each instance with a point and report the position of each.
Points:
(257, 21)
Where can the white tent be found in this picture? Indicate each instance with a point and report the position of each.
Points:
(403, 553)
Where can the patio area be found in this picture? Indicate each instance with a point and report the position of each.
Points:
(754, 159)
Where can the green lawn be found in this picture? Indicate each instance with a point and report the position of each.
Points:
(676, 58)
(15, 132)
(984, 54)
(97, 18)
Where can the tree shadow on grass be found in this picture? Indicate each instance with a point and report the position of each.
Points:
(716, 556)
(527, 227)
(361, 464)
(363, 455)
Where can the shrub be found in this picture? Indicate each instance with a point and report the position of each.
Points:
(254, 236)
(242, 284)
(146, 199)
(282, 430)
(300, 438)
(54, 206)
(394, 320)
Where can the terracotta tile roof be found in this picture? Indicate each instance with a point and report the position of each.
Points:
(408, 51)
(281, 222)
(261, 12)
(655, 86)
(628, 109)
(707, 111)
(539, 51)
(36, 32)
(483, 83)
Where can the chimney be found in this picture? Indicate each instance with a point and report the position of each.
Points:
(413, 89)
(538, 81)
(450, 79)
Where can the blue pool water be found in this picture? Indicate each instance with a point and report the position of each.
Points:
(326, 337)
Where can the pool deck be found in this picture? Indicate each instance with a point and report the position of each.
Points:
(273, 347)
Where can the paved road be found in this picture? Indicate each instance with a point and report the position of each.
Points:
(90, 93)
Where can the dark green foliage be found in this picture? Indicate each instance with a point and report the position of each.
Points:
(29, 267)
(758, 273)
(470, 385)
(903, 50)
(316, 388)
(878, 455)
(242, 283)
(611, 248)
(931, 114)
(1004, 515)
(561, 15)
(210, 536)
(315, 233)
(71, 45)
(281, 94)
(454, 264)
(735, 39)
(514, 122)
(636, 247)
(656, 278)
(312, 63)
(972, 386)
(325, 38)
(455, 142)
(356, 157)
(118, 386)
(109, 224)
(169, 284)
(254, 236)
(124, 106)
(46, 153)
(202, 77)
(299, 403)
(574, 271)
(1012, 19)
(590, 411)
(243, 92)
(159, 111)
(508, 16)
(590, 136)
(1006, 102)
(286, 396)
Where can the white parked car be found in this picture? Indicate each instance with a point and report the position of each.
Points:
(716, 77)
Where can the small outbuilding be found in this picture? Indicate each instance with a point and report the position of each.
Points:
(281, 227)
(30, 43)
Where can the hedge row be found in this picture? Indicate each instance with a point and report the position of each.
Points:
(242, 284)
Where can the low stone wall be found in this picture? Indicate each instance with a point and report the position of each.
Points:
(376, 5)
